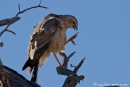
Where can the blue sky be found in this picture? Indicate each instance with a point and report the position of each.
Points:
(104, 39)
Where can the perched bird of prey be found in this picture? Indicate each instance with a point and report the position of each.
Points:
(49, 36)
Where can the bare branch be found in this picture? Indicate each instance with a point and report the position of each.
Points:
(10, 78)
(38, 6)
(65, 58)
(72, 66)
(40, 2)
(9, 21)
(12, 20)
(19, 7)
(73, 78)
(79, 65)
(4, 30)
(11, 32)
(71, 55)
(1, 44)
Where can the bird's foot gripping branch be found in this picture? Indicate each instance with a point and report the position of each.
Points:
(73, 78)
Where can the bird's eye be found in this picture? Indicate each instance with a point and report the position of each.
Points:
(73, 22)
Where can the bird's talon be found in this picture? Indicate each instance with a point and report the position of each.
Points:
(73, 42)
(72, 38)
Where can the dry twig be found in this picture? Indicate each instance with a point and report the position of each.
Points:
(39, 5)
(73, 78)
(10, 21)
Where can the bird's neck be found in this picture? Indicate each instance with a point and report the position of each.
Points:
(65, 25)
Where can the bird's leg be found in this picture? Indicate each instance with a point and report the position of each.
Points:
(58, 61)
(72, 39)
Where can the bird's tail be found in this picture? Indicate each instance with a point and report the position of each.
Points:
(30, 68)
(35, 73)
(38, 64)
(27, 63)
(35, 64)
(39, 58)
(30, 64)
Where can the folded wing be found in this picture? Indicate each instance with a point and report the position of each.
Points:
(39, 42)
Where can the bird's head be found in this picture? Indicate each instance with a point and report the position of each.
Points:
(68, 21)
(71, 22)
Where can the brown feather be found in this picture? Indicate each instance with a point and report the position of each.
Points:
(49, 36)
(40, 41)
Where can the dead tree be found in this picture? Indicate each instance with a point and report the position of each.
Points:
(9, 21)
(73, 78)
(10, 78)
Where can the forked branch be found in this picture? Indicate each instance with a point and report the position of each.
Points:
(12, 20)
(73, 78)
(38, 6)
(9, 21)
(6, 29)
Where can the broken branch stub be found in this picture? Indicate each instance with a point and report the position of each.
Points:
(1, 44)
(73, 78)
(9, 21)
(10, 78)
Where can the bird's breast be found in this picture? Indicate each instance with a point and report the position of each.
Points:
(58, 42)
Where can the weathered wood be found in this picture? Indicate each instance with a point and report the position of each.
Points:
(73, 78)
(9, 21)
(10, 78)
(1, 44)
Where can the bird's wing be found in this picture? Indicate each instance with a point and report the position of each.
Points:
(43, 33)
(39, 41)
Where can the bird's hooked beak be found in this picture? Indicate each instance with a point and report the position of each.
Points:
(76, 28)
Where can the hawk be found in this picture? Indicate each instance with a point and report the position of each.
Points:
(49, 37)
